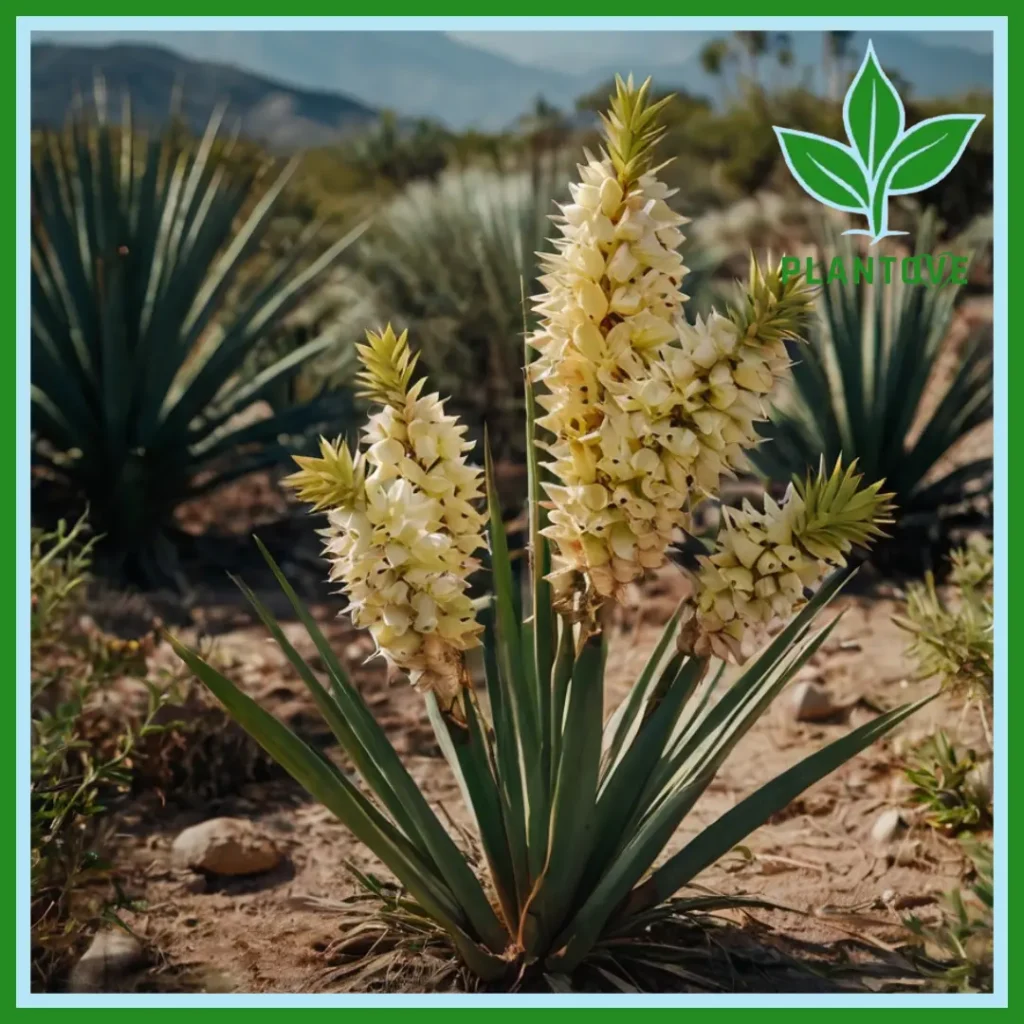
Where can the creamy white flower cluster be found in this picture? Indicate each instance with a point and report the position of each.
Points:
(402, 544)
(765, 561)
(757, 574)
(612, 300)
(646, 409)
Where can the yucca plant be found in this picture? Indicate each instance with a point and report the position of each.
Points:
(136, 356)
(644, 414)
(861, 390)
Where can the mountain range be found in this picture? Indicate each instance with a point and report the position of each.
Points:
(297, 87)
(282, 116)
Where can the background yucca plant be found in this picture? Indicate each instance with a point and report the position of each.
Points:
(137, 245)
(859, 391)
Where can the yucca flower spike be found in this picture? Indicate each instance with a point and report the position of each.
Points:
(402, 528)
(647, 412)
(764, 562)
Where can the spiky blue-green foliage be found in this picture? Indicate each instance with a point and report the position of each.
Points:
(139, 401)
(870, 387)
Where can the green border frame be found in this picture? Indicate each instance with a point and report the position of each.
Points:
(1007, 560)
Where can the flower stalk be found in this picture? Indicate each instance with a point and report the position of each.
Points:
(647, 412)
(765, 563)
(402, 528)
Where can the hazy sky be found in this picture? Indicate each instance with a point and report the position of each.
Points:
(540, 47)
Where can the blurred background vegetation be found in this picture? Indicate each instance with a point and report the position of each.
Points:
(196, 293)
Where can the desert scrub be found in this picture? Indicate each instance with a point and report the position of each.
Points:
(956, 949)
(953, 789)
(76, 773)
(644, 415)
(952, 635)
(952, 640)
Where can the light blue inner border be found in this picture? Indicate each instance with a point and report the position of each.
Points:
(998, 26)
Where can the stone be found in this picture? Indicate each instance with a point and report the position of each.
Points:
(809, 674)
(810, 702)
(979, 782)
(225, 846)
(907, 854)
(888, 826)
(109, 963)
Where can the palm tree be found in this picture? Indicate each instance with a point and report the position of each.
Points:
(755, 44)
(714, 56)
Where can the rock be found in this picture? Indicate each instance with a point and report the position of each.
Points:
(979, 782)
(225, 846)
(889, 825)
(809, 674)
(810, 702)
(109, 963)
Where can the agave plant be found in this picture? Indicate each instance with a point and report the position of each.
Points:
(864, 390)
(644, 413)
(137, 386)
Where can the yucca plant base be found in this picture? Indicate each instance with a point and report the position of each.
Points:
(566, 877)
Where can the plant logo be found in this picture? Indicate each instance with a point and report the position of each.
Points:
(883, 159)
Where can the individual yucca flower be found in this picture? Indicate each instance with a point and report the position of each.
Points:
(402, 529)
(646, 410)
(765, 562)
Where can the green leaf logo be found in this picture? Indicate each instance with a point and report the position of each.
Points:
(882, 159)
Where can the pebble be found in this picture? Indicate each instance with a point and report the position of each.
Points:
(889, 825)
(810, 702)
(225, 846)
(980, 781)
(809, 674)
(907, 854)
(112, 957)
